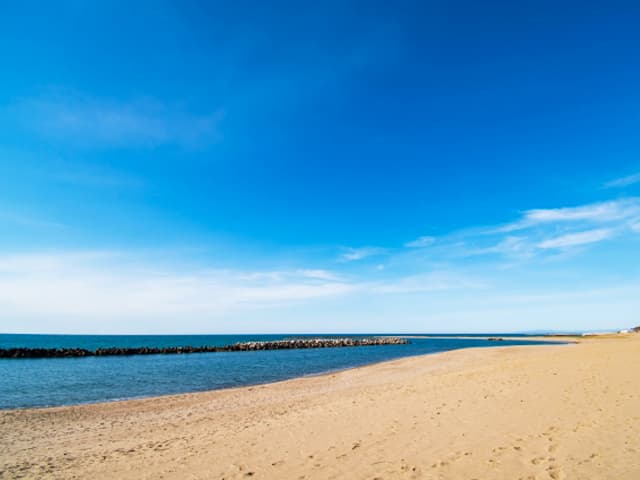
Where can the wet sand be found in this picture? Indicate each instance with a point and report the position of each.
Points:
(523, 412)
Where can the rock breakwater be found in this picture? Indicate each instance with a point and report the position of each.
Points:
(236, 347)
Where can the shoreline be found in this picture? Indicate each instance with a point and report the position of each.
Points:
(496, 412)
(551, 342)
(240, 388)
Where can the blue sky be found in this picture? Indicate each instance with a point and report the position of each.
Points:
(203, 167)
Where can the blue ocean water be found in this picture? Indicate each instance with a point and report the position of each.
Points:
(67, 381)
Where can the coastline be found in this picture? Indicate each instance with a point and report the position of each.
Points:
(452, 405)
(327, 373)
(77, 385)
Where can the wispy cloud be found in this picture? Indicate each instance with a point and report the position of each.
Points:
(537, 232)
(579, 238)
(116, 292)
(510, 246)
(84, 120)
(606, 211)
(106, 284)
(421, 242)
(624, 181)
(112, 286)
(319, 274)
(354, 254)
(281, 275)
(602, 212)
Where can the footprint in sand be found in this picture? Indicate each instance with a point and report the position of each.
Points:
(555, 473)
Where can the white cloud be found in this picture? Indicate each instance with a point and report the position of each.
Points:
(111, 285)
(103, 286)
(280, 275)
(83, 120)
(421, 242)
(602, 212)
(115, 292)
(353, 254)
(605, 211)
(510, 245)
(624, 181)
(318, 274)
(538, 230)
(574, 239)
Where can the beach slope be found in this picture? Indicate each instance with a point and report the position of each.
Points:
(530, 412)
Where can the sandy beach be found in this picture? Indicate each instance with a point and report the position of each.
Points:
(530, 412)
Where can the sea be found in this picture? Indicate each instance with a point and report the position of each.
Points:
(48, 382)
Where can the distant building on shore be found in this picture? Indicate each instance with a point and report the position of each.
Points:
(630, 330)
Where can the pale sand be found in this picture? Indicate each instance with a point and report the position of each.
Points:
(568, 411)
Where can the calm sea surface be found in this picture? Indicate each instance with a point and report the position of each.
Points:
(66, 381)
